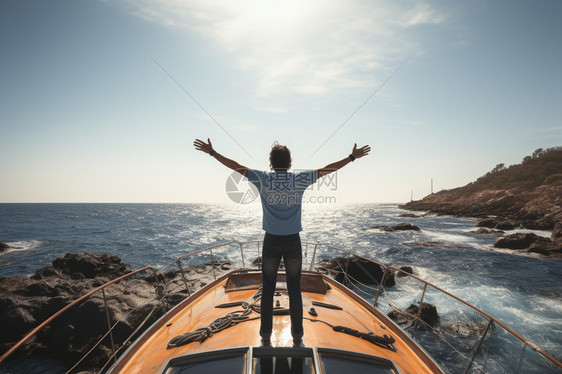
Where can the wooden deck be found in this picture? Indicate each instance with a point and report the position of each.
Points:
(150, 354)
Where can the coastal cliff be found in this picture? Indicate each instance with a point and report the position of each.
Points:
(527, 195)
(537, 209)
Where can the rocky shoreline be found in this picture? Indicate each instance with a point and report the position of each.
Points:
(27, 302)
(132, 304)
(526, 195)
(136, 303)
(538, 209)
(499, 210)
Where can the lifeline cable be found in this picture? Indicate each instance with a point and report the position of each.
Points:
(362, 105)
(200, 106)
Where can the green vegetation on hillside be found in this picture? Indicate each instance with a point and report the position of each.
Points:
(542, 167)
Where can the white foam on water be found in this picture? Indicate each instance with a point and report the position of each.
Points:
(409, 290)
(23, 245)
(543, 233)
(510, 252)
(449, 236)
(553, 303)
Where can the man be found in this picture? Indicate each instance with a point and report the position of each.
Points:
(281, 194)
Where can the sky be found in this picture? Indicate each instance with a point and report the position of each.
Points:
(100, 101)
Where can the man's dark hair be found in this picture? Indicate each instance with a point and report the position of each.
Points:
(280, 158)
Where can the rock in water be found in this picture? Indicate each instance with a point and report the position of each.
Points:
(545, 247)
(483, 231)
(4, 246)
(506, 225)
(406, 269)
(531, 243)
(349, 270)
(132, 303)
(398, 227)
(428, 314)
(487, 222)
(516, 241)
(26, 302)
(90, 265)
(494, 223)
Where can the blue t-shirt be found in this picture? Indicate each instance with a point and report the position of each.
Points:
(281, 198)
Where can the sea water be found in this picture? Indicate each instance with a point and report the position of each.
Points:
(523, 291)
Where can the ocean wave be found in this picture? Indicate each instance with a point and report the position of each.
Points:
(543, 233)
(451, 236)
(23, 245)
(508, 284)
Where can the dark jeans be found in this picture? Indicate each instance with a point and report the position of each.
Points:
(289, 248)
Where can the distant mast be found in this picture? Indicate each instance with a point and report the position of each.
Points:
(432, 186)
(412, 196)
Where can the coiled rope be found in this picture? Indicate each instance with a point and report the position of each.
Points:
(385, 341)
(239, 316)
(219, 324)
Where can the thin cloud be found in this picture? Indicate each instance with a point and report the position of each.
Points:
(271, 109)
(422, 14)
(411, 123)
(549, 129)
(247, 127)
(309, 47)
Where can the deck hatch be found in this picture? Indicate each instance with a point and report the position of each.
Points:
(335, 361)
(310, 282)
(281, 360)
(222, 361)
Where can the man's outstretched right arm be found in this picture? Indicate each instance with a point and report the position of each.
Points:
(200, 145)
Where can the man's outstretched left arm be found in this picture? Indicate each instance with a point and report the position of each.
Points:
(355, 153)
(200, 145)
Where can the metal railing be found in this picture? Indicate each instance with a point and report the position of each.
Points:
(491, 323)
(219, 251)
(110, 326)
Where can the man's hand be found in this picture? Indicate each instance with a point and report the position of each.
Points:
(357, 153)
(200, 145)
(363, 151)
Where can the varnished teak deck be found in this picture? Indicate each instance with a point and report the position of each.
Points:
(149, 354)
